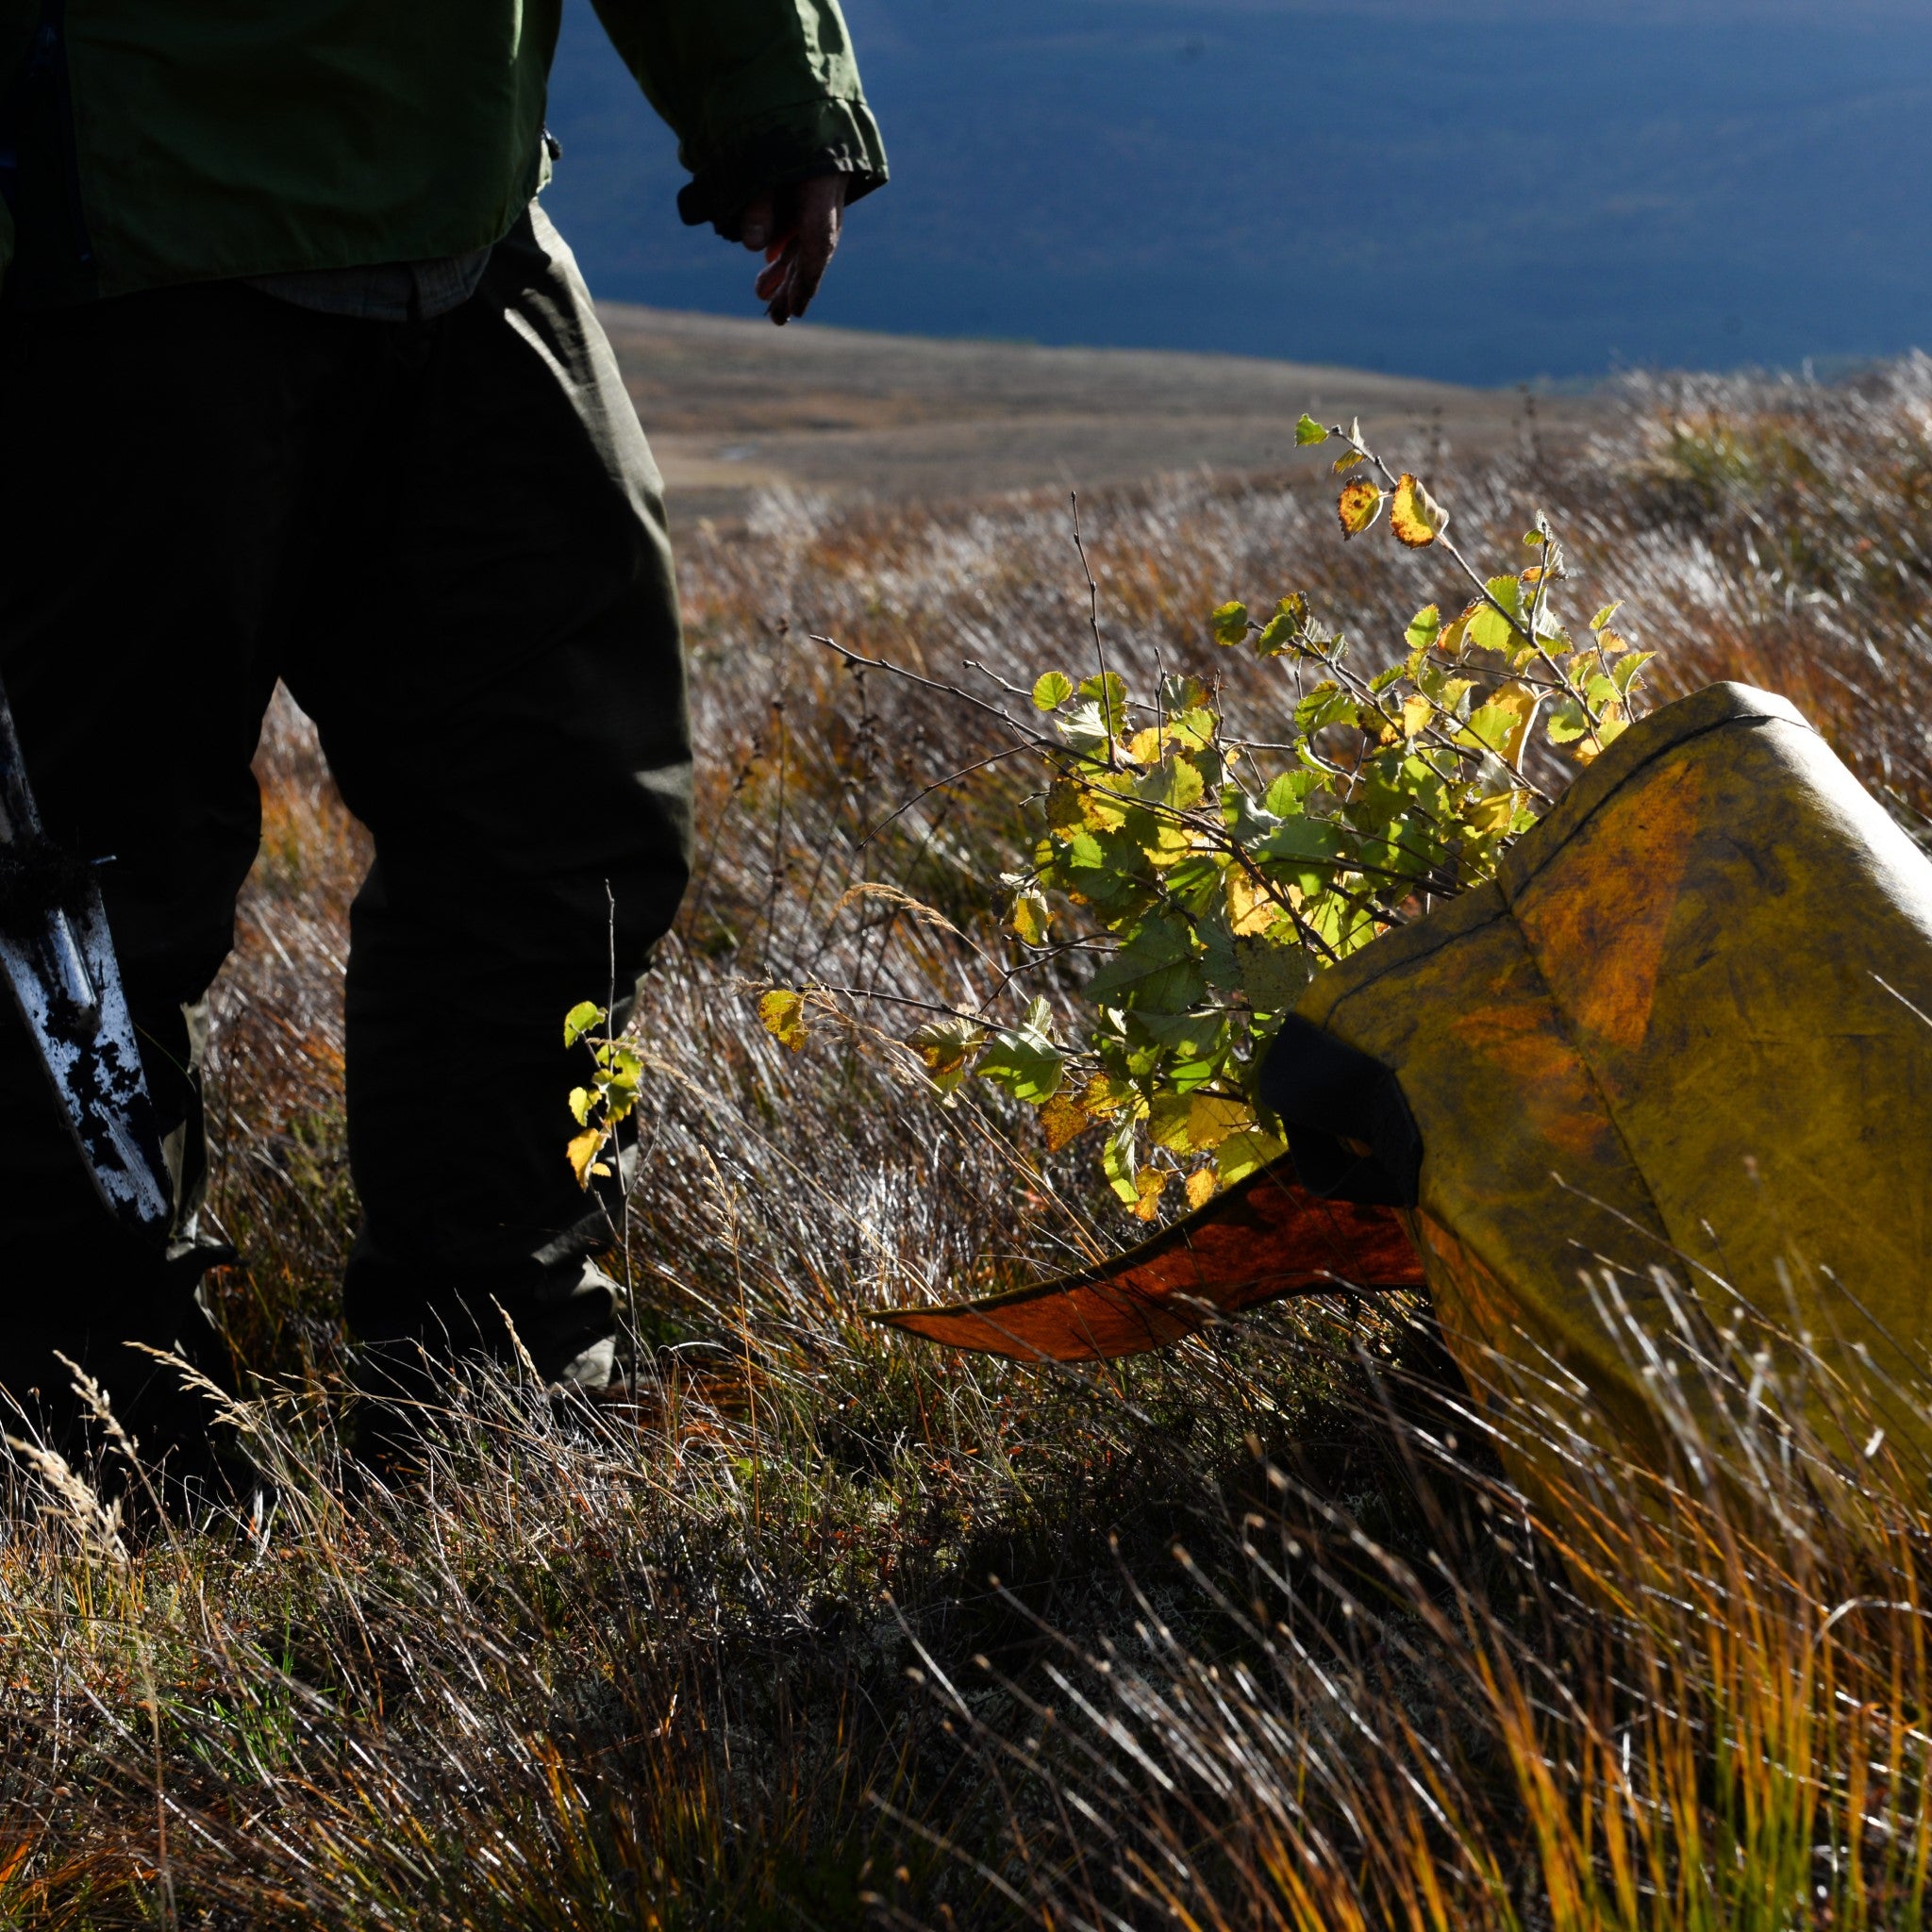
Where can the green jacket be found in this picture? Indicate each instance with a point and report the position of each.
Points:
(144, 143)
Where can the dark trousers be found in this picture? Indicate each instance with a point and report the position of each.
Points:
(448, 538)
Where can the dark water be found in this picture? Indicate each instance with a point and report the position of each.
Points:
(1488, 201)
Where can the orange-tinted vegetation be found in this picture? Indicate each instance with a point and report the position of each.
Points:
(1274, 1642)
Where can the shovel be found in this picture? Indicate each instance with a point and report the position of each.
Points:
(58, 960)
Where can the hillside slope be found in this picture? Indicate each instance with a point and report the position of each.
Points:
(733, 407)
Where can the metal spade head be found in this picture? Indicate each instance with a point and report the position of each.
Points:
(58, 961)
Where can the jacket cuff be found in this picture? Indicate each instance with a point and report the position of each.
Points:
(815, 138)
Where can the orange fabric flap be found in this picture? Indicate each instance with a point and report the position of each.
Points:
(1266, 1236)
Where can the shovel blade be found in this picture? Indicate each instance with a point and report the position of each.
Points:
(58, 961)
(67, 986)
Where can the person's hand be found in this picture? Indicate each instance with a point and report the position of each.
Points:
(796, 229)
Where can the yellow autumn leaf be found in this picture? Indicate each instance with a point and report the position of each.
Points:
(1063, 1121)
(1360, 505)
(1097, 807)
(1614, 724)
(1253, 906)
(948, 1047)
(1166, 1123)
(1489, 816)
(1149, 1185)
(1169, 843)
(1201, 1187)
(1501, 724)
(783, 1013)
(1104, 1094)
(1031, 917)
(1415, 516)
(1213, 1117)
(1455, 633)
(1244, 1153)
(1416, 711)
(583, 1150)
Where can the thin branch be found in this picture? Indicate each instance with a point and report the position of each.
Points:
(1094, 622)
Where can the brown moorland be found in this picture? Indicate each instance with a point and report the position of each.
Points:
(1272, 1642)
(735, 406)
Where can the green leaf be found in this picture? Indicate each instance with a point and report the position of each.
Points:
(1445, 692)
(580, 1106)
(1307, 432)
(1502, 722)
(1623, 672)
(1024, 1060)
(1192, 1037)
(580, 1019)
(1327, 703)
(1301, 842)
(1507, 591)
(1290, 791)
(1155, 967)
(1242, 1153)
(1118, 1162)
(1567, 722)
(1193, 729)
(1425, 627)
(1291, 620)
(1176, 782)
(1273, 976)
(1602, 619)
(1085, 852)
(1249, 823)
(1109, 694)
(1052, 690)
(1489, 630)
(1229, 623)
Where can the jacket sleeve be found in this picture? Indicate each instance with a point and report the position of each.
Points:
(759, 92)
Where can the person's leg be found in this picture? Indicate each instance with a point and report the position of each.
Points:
(155, 480)
(497, 672)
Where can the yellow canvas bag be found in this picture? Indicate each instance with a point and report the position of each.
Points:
(1674, 1059)
(1681, 1030)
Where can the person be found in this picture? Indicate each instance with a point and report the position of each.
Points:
(297, 382)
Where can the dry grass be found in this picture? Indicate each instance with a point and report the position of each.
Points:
(650, 1668)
